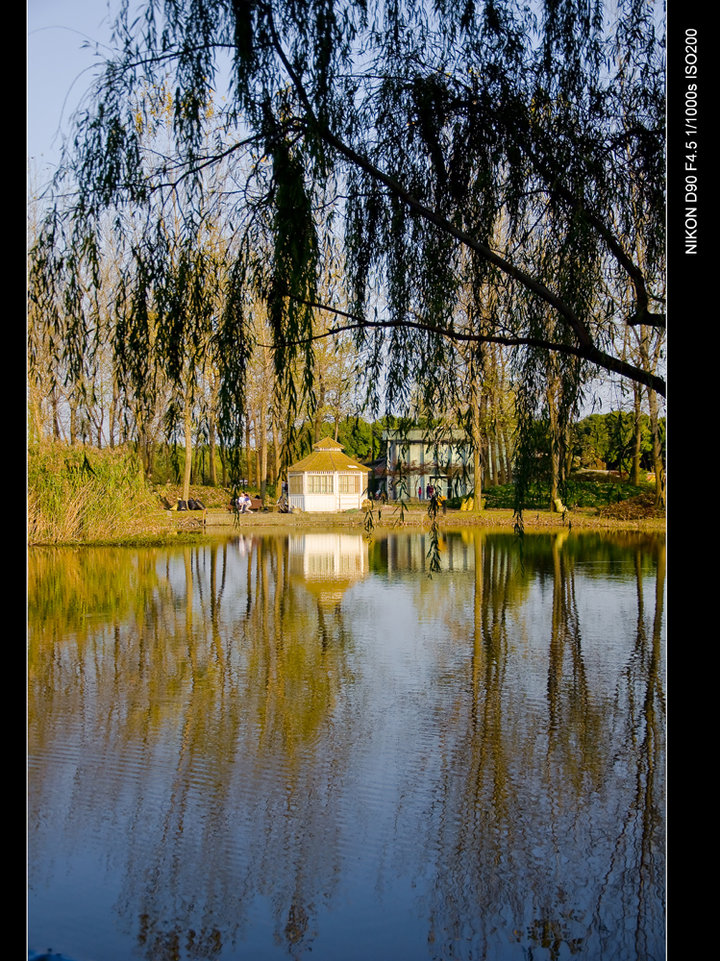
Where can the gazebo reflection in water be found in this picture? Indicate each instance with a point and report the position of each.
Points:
(328, 563)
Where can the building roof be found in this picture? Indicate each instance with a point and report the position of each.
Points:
(327, 456)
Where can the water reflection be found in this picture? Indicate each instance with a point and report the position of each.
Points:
(269, 746)
(328, 564)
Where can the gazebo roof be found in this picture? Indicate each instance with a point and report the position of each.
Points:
(327, 456)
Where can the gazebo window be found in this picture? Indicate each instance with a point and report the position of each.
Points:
(295, 484)
(349, 483)
(319, 483)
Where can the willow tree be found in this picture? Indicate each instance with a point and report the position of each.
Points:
(408, 132)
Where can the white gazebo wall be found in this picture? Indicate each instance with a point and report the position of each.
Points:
(328, 502)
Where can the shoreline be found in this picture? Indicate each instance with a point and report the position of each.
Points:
(169, 527)
(390, 518)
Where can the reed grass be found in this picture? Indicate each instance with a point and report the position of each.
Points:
(84, 494)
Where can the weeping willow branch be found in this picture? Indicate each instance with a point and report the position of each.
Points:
(589, 353)
(642, 315)
(585, 348)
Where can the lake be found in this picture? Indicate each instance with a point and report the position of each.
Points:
(316, 746)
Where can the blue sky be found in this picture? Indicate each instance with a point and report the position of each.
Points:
(59, 68)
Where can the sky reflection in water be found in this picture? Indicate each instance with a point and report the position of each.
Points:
(279, 747)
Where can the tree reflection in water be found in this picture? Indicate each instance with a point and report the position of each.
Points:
(541, 821)
(266, 746)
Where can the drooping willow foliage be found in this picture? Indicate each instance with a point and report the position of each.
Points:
(502, 155)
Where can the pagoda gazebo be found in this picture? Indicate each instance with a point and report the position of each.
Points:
(327, 480)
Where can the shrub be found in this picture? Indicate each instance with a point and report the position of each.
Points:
(579, 493)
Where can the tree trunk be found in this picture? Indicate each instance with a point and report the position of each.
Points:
(149, 456)
(276, 445)
(248, 458)
(56, 432)
(505, 473)
(112, 414)
(199, 462)
(319, 409)
(263, 452)
(555, 449)
(187, 473)
(658, 466)
(476, 444)
(144, 446)
(73, 424)
(637, 441)
(212, 454)
(223, 467)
